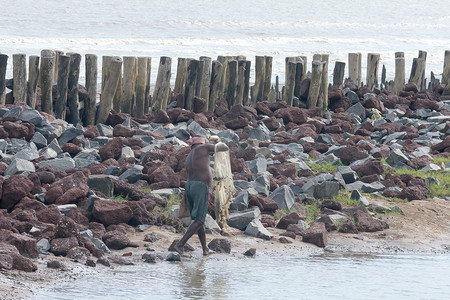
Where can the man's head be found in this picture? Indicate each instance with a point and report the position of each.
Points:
(196, 140)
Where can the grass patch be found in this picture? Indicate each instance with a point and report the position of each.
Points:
(323, 168)
(146, 189)
(171, 200)
(344, 197)
(435, 190)
(120, 198)
(313, 212)
(439, 160)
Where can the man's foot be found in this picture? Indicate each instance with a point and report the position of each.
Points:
(178, 249)
(208, 252)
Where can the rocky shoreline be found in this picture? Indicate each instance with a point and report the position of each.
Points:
(93, 194)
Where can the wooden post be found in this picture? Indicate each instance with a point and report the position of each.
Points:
(245, 99)
(323, 95)
(3, 64)
(298, 77)
(62, 87)
(180, 79)
(354, 68)
(148, 97)
(205, 79)
(417, 73)
(240, 86)
(72, 99)
(338, 74)
(58, 53)
(260, 74)
(191, 83)
(423, 56)
(267, 76)
(117, 104)
(289, 85)
(373, 60)
(399, 80)
(232, 82)
(383, 75)
(20, 77)
(446, 71)
(277, 87)
(141, 82)
(316, 82)
(129, 83)
(162, 87)
(446, 91)
(91, 87)
(33, 75)
(224, 84)
(216, 79)
(111, 69)
(46, 80)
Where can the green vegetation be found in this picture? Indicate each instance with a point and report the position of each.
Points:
(146, 189)
(120, 198)
(323, 168)
(344, 197)
(439, 160)
(171, 200)
(436, 190)
(313, 212)
(280, 213)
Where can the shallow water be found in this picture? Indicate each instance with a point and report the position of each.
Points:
(194, 28)
(330, 276)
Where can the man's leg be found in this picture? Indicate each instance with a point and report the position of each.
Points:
(202, 237)
(193, 228)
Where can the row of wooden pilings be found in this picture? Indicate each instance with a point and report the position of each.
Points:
(125, 85)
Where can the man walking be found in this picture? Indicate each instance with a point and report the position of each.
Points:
(197, 190)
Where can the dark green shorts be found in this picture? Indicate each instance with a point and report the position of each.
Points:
(197, 195)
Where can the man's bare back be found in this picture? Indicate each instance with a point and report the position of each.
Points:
(197, 163)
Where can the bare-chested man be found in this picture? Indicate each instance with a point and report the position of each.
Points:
(197, 190)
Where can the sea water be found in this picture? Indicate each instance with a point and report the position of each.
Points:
(331, 276)
(234, 27)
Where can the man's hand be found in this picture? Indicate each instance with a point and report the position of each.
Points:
(214, 139)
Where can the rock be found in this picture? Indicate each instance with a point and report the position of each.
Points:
(70, 196)
(66, 227)
(29, 152)
(58, 163)
(149, 257)
(363, 221)
(241, 219)
(173, 256)
(14, 189)
(60, 246)
(140, 214)
(186, 247)
(220, 245)
(102, 184)
(250, 252)
(19, 166)
(70, 148)
(358, 110)
(43, 245)
(133, 174)
(240, 202)
(261, 133)
(291, 218)
(326, 189)
(78, 253)
(348, 175)
(55, 264)
(122, 131)
(369, 168)
(112, 149)
(396, 157)
(258, 165)
(69, 134)
(283, 196)
(350, 154)
(262, 185)
(256, 229)
(110, 212)
(356, 195)
(316, 234)
(372, 187)
(117, 240)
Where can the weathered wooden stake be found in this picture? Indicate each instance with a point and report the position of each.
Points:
(205, 77)
(322, 102)
(117, 104)
(141, 82)
(423, 55)
(58, 53)
(62, 87)
(129, 83)
(240, 86)
(148, 97)
(245, 99)
(162, 87)
(91, 87)
(298, 77)
(180, 79)
(417, 73)
(316, 82)
(232, 82)
(216, 79)
(267, 76)
(354, 68)
(399, 79)
(111, 69)
(446, 71)
(3, 64)
(20, 77)
(191, 83)
(33, 75)
(72, 100)
(289, 85)
(46, 80)
(373, 60)
(338, 74)
(260, 74)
